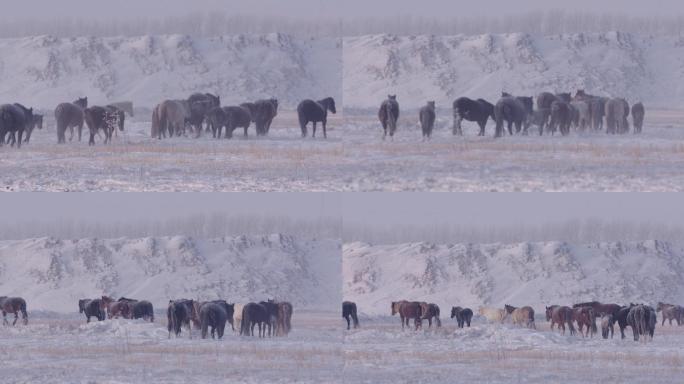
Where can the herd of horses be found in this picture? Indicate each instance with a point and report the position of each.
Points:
(272, 318)
(174, 117)
(553, 113)
(640, 318)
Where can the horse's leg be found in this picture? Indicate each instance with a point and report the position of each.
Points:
(325, 133)
(16, 317)
(313, 133)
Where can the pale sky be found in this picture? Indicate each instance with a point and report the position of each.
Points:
(51, 9)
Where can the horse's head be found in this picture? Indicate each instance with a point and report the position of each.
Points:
(549, 310)
(505, 94)
(38, 121)
(331, 105)
(393, 307)
(82, 102)
(81, 305)
(392, 97)
(274, 101)
(509, 308)
(106, 300)
(431, 104)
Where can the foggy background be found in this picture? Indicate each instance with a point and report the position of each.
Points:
(335, 18)
(205, 215)
(391, 218)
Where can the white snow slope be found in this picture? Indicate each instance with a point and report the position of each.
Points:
(442, 68)
(43, 71)
(535, 274)
(53, 274)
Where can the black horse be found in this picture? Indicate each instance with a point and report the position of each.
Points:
(478, 111)
(315, 111)
(92, 308)
(349, 313)
(561, 117)
(426, 116)
(178, 314)
(462, 315)
(236, 117)
(263, 112)
(388, 115)
(214, 314)
(513, 111)
(14, 119)
(638, 113)
(100, 118)
(200, 104)
(254, 314)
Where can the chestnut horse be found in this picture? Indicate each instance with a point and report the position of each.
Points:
(408, 310)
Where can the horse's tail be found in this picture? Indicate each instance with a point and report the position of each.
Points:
(171, 317)
(355, 317)
(22, 308)
(530, 319)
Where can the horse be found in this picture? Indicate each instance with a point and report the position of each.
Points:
(560, 117)
(97, 118)
(200, 104)
(70, 116)
(116, 309)
(284, 318)
(585, 316)
(462, 315)
(511, 110)
(216, 120)
(30, 121)
(179, 313)
(214, 314)
(407, 311)
(170, 116)
(638, 114)
(642, 319)
(560, 315)
(582, 119)
(126, 106)
(523, 316)
(236, 117)
(426, 116)
(272, 309)
(92, 308)
(670, 312)
(254, 314)
(492, 314)
(237, 316)
(37, 123)
(607, 326)
(388, 115)
(13, 305)
(315, 111)
(544, 101)
(478, 111)
(14, 118)
(615, 116)
(263, 112)
(119, 114)
(349, 313)
(429, 311)
(139, 309)
(599, 308)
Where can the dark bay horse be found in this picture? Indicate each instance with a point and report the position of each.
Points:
(263, 112)
(100, 118)
(670, 312)
(200, 104)
(642, 319)
(349, 313)
(254, 314)
(236, 117)
(179, 314)
(479, 111)
(408, 310)
(116, 309)
(462, 315)
(426, 116)
(15, 305)
(284, 318)
(138, 309)
(560, 315)
(214, 314)
(37, 123)
(92, 308)
(388, 115)
(68, 116)
(638, 113)
(585, 316)
(315, 111)
(512, 111)
(600, 308)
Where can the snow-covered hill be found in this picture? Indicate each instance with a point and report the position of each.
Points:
(43, 71)
(442, 68)
(534, 274)
(53, 274)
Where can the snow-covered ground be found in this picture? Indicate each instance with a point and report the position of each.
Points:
(651, 161)
(57, 348)
(380, 352)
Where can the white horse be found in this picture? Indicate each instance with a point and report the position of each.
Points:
(237, 316)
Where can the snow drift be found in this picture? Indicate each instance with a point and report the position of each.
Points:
(43, 71)
(442, 68)
(534, 274)
(53, 274)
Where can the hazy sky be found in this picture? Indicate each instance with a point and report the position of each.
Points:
(384, 209)
(50, 9)
(117, 207)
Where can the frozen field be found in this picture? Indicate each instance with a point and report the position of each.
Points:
(354, 158)
(137, 162)
(63, 349)
(381, 352)
(592, 162)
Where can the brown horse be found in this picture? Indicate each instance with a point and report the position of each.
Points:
(560, 315)
(585, 316)
(600, 309)
(14, 305)
(523, 316)
(429, 311)
(670, 312)
(408, 310)
(284, 319)
(116, 309)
